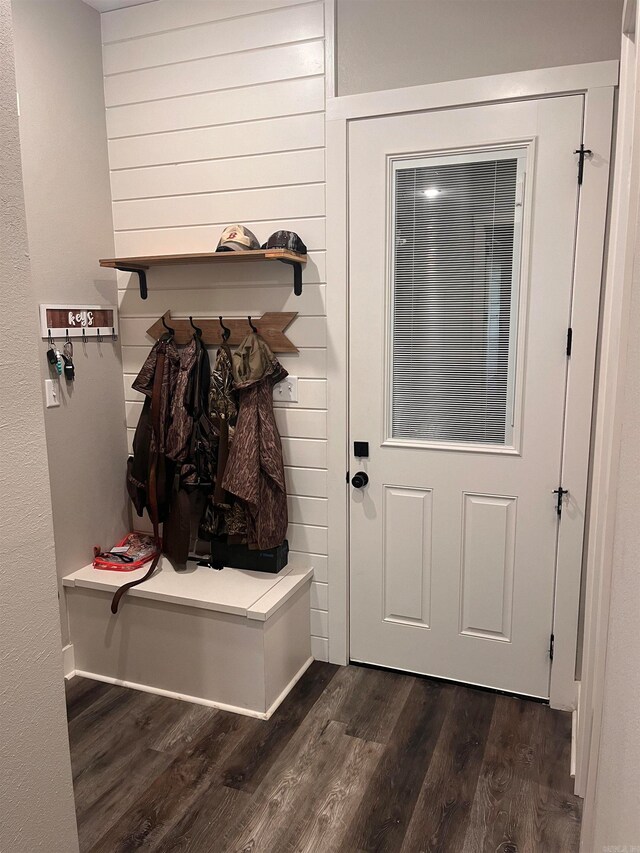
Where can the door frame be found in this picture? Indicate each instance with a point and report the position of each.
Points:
(597, 81)
(622, 256)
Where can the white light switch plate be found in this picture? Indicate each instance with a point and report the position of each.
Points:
(286, 391)
(52, 392)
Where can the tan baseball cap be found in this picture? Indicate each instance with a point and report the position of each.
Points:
(237, 238)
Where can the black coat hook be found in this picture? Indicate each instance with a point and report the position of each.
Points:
(226, 332)
(251, 326)
(168, 328)
(197, 329)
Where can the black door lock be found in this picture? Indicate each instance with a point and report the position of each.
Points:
(361, 449)
(360, 479)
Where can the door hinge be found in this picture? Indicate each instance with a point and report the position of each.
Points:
(551, 645)
(569, 340)
(582, 152)
(560, 492)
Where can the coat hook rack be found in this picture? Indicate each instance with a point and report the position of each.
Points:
(270, 326)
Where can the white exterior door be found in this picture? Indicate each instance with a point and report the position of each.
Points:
(461, 243)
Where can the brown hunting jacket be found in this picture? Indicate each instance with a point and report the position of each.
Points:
(255, 472)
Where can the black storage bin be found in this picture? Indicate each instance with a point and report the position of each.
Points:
(241, 557)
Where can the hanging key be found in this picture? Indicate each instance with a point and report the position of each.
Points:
(69, 367)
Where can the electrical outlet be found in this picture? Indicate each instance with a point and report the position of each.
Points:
(52, 392)
(286, 391)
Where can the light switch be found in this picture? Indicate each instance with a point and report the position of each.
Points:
(52, 392)
(286, 391)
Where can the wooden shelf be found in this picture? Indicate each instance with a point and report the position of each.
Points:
(205, 258)
(140, 265)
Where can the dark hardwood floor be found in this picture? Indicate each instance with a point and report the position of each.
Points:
(354, 760)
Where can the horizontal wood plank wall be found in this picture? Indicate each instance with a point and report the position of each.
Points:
(215, 115)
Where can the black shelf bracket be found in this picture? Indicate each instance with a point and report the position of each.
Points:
(297, 274)
(142, 278)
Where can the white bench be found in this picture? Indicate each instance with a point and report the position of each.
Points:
(231, 639)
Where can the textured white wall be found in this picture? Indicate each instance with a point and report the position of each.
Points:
(68, 205)
(36, 796)
(386, 44)
(617, 816)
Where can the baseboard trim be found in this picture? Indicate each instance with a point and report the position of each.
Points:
(68, 661)
(159, 691)
(199, 700)
(296, 678)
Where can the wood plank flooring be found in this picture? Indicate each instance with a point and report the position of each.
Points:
(355, 760)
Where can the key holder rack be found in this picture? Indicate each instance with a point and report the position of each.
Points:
(270, 326)
(140, 265)
(87, 322)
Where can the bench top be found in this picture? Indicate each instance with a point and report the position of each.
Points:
(254, 595)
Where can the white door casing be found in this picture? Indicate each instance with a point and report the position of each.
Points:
(616, 330)
(596, 81)
(453, 541)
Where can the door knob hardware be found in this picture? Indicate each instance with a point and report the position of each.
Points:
(360, 479)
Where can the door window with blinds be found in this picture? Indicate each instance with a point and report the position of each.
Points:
(456, 237)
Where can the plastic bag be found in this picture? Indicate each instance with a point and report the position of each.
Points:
(133, 552)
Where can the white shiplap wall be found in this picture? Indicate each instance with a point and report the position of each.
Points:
(215, 115)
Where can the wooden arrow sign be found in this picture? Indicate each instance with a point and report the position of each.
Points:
(271, 327)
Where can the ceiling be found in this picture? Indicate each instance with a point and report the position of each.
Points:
(108, 5)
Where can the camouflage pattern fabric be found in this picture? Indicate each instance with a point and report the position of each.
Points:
(181, 414)
(144, 384)
(254, 472)
(223, 515)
